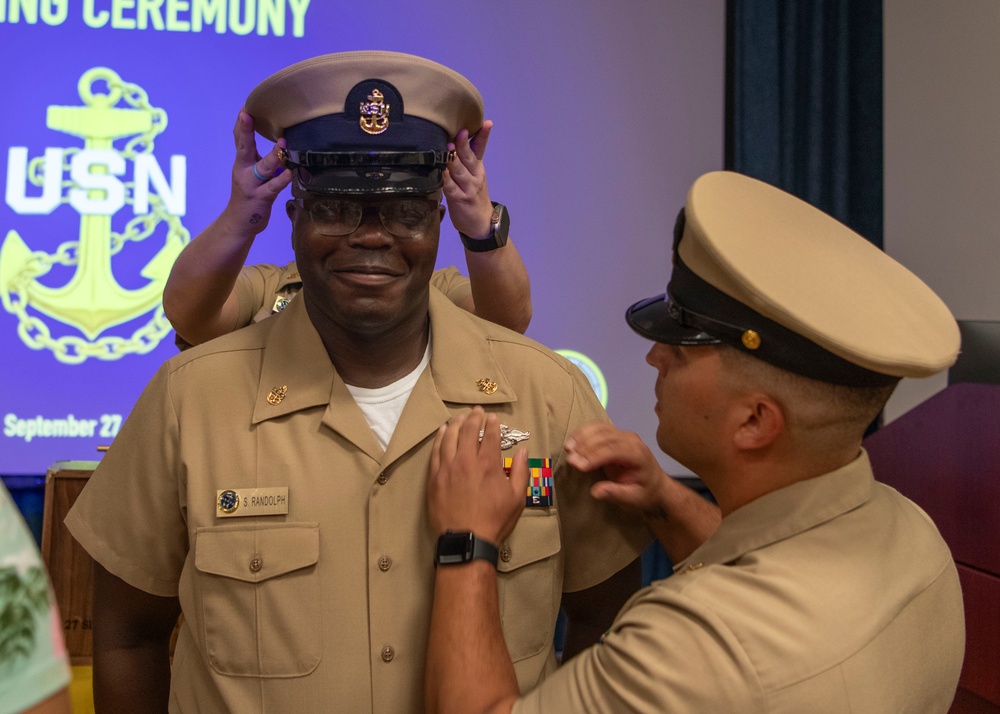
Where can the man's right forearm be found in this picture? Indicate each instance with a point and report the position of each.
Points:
(132, 681)
(202, 280)
(132, 631)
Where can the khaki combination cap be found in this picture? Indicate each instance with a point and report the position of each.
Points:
(368, 121)
(765, 272)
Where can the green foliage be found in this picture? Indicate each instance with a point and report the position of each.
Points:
(23, 596)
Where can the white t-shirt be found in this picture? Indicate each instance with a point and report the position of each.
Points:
(383, 406)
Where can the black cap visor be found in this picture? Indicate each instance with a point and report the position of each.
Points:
(652, 319)
(408, 172)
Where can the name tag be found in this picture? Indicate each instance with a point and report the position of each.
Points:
(232, 502)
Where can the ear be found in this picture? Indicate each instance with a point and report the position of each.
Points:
(761, 422)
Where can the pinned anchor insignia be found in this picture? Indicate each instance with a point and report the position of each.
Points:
(93, 301)
(508, 436)
(276, 395)
(374, 113)
(486, 385)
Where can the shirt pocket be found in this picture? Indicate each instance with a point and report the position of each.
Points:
(259, 598)
(529, 583)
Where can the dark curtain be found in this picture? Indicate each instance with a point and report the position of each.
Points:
(804, 102)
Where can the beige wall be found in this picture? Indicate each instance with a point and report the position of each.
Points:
(942, 156)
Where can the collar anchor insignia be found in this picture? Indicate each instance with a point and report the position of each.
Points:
(275, 396)
(486, 385)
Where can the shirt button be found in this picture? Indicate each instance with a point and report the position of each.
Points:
(384, 563)
(387, 654)
(382, 477)
(505, 553)
(255, 565)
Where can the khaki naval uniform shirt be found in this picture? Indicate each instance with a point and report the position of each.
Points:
(327, 608)
(833, 595)
(263, 290)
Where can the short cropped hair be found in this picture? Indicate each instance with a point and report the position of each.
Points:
(829, 413)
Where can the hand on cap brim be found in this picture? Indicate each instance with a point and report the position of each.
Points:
(252, 198)
(465, 186)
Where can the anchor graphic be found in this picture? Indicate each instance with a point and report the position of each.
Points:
(92, 301)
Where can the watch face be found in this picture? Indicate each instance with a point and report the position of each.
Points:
(454, 548)
(497, 237)
(501, 224)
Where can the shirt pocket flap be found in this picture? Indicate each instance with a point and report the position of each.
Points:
(535, 538)
(255, 553)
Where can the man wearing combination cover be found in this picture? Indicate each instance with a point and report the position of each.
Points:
(210, 292)
(270, 484)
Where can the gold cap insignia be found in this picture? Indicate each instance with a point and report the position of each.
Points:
(750, 339)
(277, 394)
(374, 114)
(486, 385)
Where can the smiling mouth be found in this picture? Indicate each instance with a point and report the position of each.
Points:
(368, 273)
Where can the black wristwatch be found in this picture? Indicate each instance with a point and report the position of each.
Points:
(458, 548)
(496, 238)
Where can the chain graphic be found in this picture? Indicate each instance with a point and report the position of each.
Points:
(93, 301)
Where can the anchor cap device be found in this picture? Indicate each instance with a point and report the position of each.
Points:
(366, 122)
(765, 272)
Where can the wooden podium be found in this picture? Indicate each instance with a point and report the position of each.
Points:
(945, 456)
(71, 569)
(70, 566)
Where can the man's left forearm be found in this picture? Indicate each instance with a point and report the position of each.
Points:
(590, 612)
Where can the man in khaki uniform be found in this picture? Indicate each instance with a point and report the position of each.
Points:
(271, 483)
(812, 587)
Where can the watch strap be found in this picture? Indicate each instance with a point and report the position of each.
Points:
(497, 236)
(484, 550)
(458, 548)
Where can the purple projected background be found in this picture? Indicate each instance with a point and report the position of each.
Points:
(603, 116)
